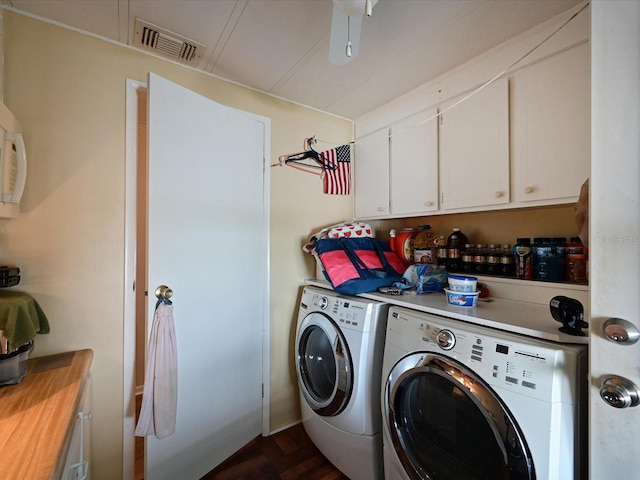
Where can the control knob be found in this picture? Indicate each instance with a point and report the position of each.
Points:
(323, 302)
(446, 339)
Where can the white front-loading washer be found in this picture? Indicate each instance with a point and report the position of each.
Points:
(338, 351)
(462, 401)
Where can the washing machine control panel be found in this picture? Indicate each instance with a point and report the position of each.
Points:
(526, 366)
(348, 312)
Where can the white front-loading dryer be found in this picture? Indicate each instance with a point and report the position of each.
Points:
(338, 353)
(461, 401)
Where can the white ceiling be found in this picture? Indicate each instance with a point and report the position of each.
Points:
(281, 46)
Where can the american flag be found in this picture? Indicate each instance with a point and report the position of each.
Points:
(337, 170)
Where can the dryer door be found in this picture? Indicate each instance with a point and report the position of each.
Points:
(445, 422)
(324, 365)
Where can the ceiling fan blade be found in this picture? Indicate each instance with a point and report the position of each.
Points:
(355, 7)
(344, 29)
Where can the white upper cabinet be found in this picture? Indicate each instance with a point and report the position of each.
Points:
(550, 118)
(371, 175)
(521, 141)
(414, 164)
(474, 149)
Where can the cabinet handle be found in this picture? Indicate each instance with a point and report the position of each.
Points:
(499, 194)
(381, 209)
(82, 469)
(529, 189)
(83, 465)
(428, 203)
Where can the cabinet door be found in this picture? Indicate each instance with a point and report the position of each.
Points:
(474, 149)
(414, 164)
(76, 466)
(550, 117)
(371, 175)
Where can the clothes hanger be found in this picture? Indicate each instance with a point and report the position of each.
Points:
(296, 159)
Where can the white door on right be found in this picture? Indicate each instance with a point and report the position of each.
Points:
(615, 239)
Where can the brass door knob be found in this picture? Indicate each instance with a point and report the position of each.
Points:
(164, 292)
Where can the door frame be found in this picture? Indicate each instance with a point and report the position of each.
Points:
(129, 313)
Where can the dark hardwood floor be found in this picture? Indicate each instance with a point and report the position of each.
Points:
(286, 455)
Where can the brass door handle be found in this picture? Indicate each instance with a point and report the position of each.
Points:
(164, 292)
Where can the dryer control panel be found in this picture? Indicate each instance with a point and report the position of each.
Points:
(348, 312)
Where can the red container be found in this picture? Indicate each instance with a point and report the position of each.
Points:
(403, 244)
(577, 262)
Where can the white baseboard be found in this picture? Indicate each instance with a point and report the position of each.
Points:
(285, 427)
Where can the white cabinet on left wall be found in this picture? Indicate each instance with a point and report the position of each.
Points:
(371, 175)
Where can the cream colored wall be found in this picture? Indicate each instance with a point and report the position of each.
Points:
(68, 90)
(299, 208)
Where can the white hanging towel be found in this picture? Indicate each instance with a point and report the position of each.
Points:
(160, 394)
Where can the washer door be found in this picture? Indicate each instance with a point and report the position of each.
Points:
(324, 365)
(446, 423)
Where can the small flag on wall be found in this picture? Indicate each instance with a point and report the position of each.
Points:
(337, 170)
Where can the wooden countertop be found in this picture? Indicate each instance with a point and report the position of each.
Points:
(37, 416)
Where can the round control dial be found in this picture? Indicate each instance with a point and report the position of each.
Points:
(446, 339)
(323, 302)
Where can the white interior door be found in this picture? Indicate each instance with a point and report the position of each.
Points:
(614, 245)
(208, 241)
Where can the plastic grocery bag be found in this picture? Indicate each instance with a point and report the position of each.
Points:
(423, 277)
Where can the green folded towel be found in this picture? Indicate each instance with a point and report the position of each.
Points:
(20, 317)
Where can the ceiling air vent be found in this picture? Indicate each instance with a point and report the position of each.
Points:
(166, 43)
